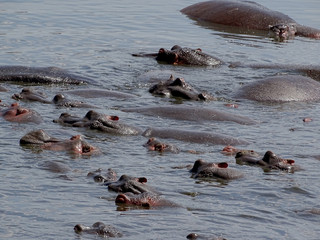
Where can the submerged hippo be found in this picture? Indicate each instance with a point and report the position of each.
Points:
(145, 199)
(154, 145)
(98, 228)
(100, 93)
(248, 15)
(183, 56)
(194, 236)
(202, 169)
(44, 75)
(74, 145)
(230, 150)
(28, 94)
(268, 162)
(191, 114)
(127, 183)
(180, 89)
(282, 88)
(15, 113)
(98, 121)
(193, 136)
(102, 176)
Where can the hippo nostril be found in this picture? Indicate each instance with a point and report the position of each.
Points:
(121, 198)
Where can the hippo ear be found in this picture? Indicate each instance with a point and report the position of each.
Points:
(114, 118)
(142, 180)
(161, 50)
(223, 165)
(290, 161)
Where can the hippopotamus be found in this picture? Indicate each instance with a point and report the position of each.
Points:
(202, 169)
(100, 93)
(98, 228)
(230, 150)
(180, 89)
(268, 162)
(98, 176)
(74, 145)
(281, 88)
(248, 15)
(194, 236)
(190, 113)
(15, 113)
(193, 136)
(154, 145)
(44, 75)
(127, 183)
(182, 56)
(98, 121)
(60, 100)
(145, 199)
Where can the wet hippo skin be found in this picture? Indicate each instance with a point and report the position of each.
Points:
(183, 56)
(202, 169)
(16, 113)
(44, 75)
(191, 114)
(98, 228)
(193, 136)
(281, 88)
(246, 15)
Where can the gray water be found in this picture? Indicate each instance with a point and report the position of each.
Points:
(96, 39)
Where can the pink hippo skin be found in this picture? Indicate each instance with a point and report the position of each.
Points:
(75, 145)
(15, 113)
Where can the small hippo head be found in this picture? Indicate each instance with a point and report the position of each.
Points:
(129, 184)
(167, 56)
(200, 164)
(282, 31)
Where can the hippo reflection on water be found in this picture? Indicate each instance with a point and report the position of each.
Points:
(182, 56)
(269, 161)
(248, 15)
(44, 75)
(15, 113)
(98, 121)
(98, 228)
(74, 145)
(180, 89)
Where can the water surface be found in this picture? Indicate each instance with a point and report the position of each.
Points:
(96, 39)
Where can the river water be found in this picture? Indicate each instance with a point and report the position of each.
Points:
(96, 39)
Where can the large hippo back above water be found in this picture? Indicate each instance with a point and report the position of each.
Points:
(283, 88)
(245, 14)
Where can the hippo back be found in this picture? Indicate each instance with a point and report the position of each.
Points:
(246, 14)
(284, 88)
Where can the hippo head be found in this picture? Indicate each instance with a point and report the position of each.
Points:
(201, 164)
(129, 184)
(167, 56)
(283, 31)
(37, 137)
(58, 98)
